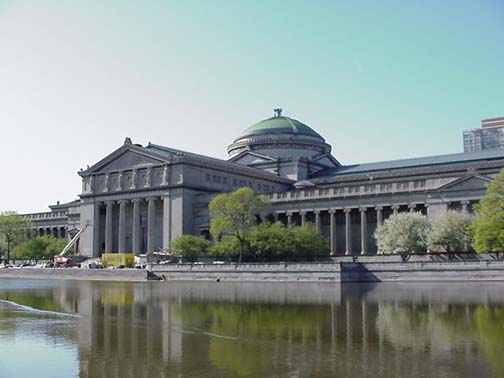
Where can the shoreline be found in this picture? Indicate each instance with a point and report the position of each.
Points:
(333, 272)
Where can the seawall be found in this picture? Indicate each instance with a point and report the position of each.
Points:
(76, 274)
(434, 271)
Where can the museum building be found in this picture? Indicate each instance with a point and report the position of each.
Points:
(139, 198)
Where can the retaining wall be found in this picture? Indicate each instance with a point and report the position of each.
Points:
(466, 270)
(314, 272)
(76, 274)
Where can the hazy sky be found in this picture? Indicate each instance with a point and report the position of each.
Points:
(379, 80)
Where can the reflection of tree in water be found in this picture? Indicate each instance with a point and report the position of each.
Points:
(144, 330)
(488, 328)
(258, 338)
(436, 328)
(14, 319)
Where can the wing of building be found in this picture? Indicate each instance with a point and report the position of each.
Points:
(139, 198)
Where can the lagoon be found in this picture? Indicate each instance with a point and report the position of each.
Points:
(57, 328)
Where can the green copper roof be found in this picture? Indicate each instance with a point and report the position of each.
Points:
(280, 125)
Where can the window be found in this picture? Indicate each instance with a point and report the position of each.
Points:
(208, 176)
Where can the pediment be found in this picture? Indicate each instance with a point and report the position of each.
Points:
(124, 158)
(251, 158)
(129, 160)
(473, 182)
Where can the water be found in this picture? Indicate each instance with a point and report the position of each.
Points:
(96, 329)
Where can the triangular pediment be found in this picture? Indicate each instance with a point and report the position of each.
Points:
(124, 158)
(472, 182)
(251, 158)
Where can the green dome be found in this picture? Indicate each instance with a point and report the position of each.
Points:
(282, 125)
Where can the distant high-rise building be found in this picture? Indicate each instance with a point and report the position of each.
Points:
(490, 135)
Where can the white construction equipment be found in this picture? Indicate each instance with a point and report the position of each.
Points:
(66, 262)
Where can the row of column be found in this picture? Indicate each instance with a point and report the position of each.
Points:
(59, 232)
(136, 234)
(348, 224)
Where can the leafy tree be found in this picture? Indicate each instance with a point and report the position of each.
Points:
(13, 230)
(189, 247)
(306, 240)
(403, 232)
(269, 240)
(39, 248)
(227, 246)
(450, 232)
(488, 225)
(234, 214)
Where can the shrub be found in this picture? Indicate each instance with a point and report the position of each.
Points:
(189, 247)
(403, 232)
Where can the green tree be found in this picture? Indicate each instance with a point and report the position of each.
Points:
(450, 232)
(307, 241)
(234, 214)
(488, 226)
(269, 240)
(13, 229)
(39, 248)
(227, 246)
(403, 232)
(189, 247)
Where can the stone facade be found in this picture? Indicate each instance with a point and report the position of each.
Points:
(139, 198)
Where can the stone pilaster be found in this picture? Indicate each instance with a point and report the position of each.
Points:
(318, 222)
(303, 217)
(364, 243)
(151, 215)
(108, 228)
(395, 209)
(136, 227)
(122, 226)
(379, 215)
(348, 232)
(332, 217)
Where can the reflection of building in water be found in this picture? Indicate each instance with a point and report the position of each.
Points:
(137, 330)
(254, 330)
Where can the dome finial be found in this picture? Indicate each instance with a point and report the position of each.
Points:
(278, 112)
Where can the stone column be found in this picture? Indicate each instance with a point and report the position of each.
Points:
(275, 217)
(412, 207)
(289, 218)
(303, 217)
(151, 215)
(379, 215)
(395, 209)
(96, 230)
(465, 208)
(332, 216)
(122, 226)
(108, 228)
(363, 218)
(318, 223)
(348, 232)
(59, 235)
(136, 227)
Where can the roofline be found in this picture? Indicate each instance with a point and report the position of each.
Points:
(414, 166)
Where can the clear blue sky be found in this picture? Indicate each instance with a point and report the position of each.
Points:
(380, 80)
